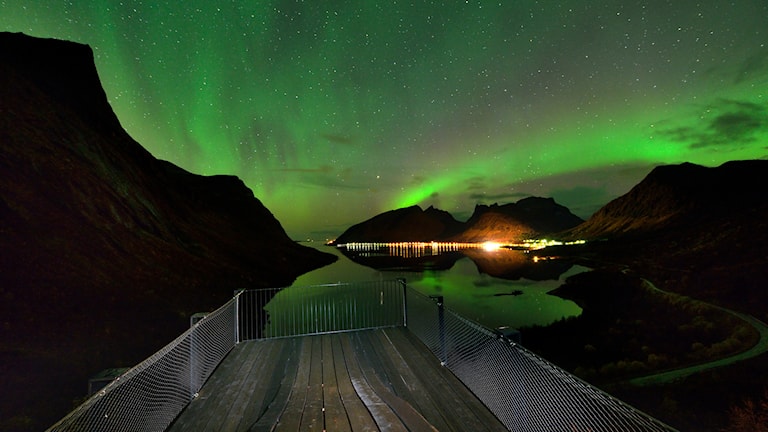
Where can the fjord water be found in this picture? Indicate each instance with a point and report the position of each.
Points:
(518, 298)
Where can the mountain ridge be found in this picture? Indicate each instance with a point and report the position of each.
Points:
(510, 222)
(105, 251)
(673, 196)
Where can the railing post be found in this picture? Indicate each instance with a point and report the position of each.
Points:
(236, 324)
(193, 361)
(402, 283)
(441, 327)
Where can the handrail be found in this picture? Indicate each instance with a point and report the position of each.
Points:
(526, 392)
(316, 309)
(151, 394)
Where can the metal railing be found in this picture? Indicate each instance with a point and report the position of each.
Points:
(524, 391)
(150, 395)
(298, 311)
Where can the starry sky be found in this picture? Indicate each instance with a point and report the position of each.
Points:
(334, 111)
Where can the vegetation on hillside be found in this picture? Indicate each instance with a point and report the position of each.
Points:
(629, 328)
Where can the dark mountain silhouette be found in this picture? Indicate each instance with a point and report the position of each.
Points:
(401, 225)
(509, 222)
(105, 251)
(692, 230)
(696, 230)
(529, 217)
(683, 198)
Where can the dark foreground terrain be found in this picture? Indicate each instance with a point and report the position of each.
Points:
(105, 251)
(629, 329)
(699, 235)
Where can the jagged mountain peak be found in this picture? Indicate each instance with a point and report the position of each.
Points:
(508, 222)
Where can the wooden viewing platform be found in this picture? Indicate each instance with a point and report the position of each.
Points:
(347, 357)
(367, 380)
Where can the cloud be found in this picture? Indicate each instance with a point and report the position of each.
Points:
(503, 197)
(479, 191)
(734, 125)
(326, 176)
(322, 169)
(750, 68)
(584, 191)
(337, 138)
(755, 65)
(417, 180)
(476, 183)
(582, 201)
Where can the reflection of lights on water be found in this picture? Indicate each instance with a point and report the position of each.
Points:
(407, 249)
(543, 258)
(536, 244)
(421, 249)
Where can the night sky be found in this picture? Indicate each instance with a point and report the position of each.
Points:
(334, 111)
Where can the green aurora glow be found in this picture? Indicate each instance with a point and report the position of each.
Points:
(332, 112)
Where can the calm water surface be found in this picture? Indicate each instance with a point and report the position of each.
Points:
(515, 296)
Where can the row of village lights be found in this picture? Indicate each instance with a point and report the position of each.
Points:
(533, 244)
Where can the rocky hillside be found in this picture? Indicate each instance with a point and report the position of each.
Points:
(683, 198)
(509, 222)
(688, 229)
(529, 217)
(105, 251)
(691, 229)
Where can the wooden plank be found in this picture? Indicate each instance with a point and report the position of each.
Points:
(406, 382)
(333, 407)
(277, 405)
(290, 417)
(312, 417)
(366, 381)
(384, 416)
(242, 388)
(412, 419)
(230, 393)
(265, 383)
(360, 418)
(197, 414)
(458, 405)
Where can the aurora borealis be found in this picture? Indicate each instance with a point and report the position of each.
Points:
(335, 111)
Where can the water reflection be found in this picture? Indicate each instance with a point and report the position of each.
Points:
(501, 287)
(515, 264)
(406, 249)
(498, 262)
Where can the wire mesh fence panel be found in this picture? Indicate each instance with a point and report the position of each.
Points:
(294, 311)
(149, 396)
(526, 392)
